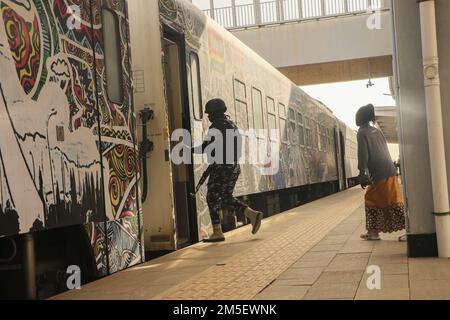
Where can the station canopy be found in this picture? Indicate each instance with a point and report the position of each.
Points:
(386, 119)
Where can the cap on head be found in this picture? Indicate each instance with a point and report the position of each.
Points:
(365, 114)
(215, 106)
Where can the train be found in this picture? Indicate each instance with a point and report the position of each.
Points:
(92, 95)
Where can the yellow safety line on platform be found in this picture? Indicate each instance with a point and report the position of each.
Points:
(245, 274)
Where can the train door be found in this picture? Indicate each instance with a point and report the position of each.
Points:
(157, 196)
(341, 161)
(344, 173)
(179, 118)
(340, 158)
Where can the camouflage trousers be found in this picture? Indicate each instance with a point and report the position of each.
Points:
(221, 183)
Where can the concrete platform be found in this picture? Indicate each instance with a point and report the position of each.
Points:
(310, 252)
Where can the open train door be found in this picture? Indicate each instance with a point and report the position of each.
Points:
(178, 111)
(342, 156)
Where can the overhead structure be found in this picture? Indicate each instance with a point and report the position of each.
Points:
(435, 126)
(278, 31)
(386, 120)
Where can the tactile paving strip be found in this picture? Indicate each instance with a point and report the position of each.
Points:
(244, 275)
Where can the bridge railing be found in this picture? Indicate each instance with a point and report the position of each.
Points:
(263, 12)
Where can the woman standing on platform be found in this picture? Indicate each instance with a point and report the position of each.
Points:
(383, 199)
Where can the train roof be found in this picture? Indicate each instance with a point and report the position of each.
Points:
(196, 13)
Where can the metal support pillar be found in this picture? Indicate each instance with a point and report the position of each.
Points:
(29, 266)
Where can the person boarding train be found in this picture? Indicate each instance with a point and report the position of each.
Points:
(224, 169)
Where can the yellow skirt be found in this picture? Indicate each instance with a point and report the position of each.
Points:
(385, 211)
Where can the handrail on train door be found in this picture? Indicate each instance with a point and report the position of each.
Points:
(145, 147)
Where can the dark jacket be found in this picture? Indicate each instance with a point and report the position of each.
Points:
(228, 143)
(373, 154)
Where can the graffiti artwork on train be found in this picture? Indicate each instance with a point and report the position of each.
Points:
(257, 97)
(179, 14)
(58, 127)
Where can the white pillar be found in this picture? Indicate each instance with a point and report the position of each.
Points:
(257, 8)
(435, 126)
(281, 10)
(300, 10)
(322, 7)
(211, 8)
(233, 12)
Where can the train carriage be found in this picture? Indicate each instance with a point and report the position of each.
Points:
(93, 96)
(68, 145)
(200, 61)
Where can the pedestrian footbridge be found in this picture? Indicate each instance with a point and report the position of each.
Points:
(314, 41)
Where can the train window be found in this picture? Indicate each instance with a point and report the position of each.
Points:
(283, 130)
(301, 132)
(315, 134)
(271, 119)
(112, 56)
(257, 109)
(283, 125)
(322, 138)
(242, 115)
(270, 105)
(282, 110)
(330, 147)
(310, 133)
(196, 87)
(300, 118)
(240, 97)
(332, 141)
(307, 135)
(240, 91)
(291, 114)
(292, 124)
(272, 123)
(327, 138)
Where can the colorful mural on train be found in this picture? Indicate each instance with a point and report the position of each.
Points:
(67, 151)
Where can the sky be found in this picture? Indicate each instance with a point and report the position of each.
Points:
(345, 98)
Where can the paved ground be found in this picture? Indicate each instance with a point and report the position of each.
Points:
(310, 252)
